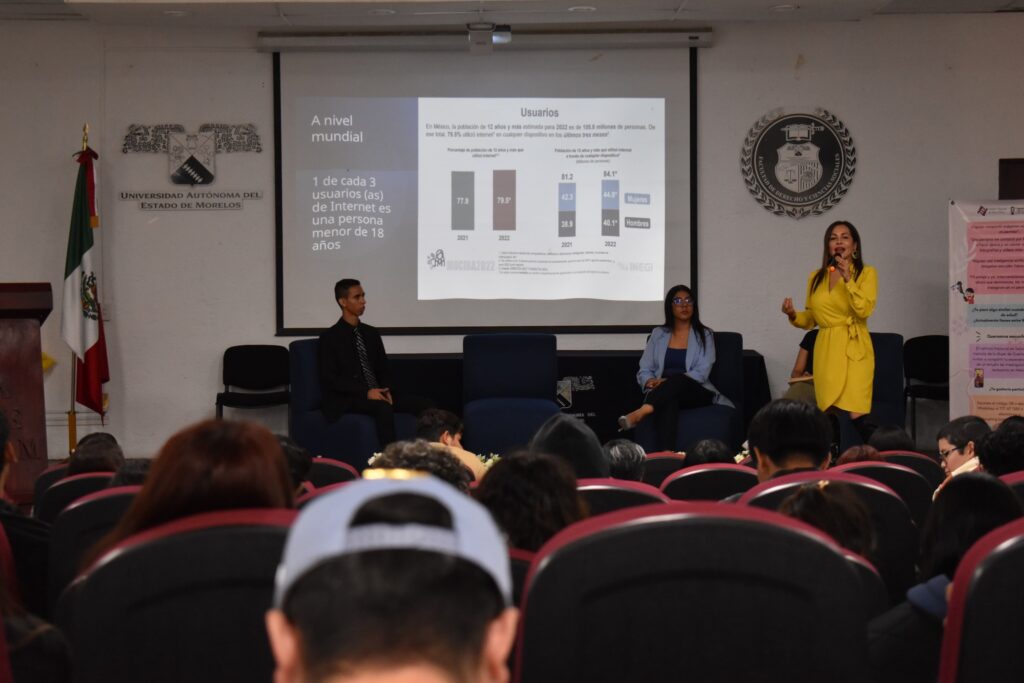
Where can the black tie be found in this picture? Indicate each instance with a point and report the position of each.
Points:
(364, 361)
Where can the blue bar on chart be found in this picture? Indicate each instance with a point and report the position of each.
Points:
(609, 208)
(462, 200)
(566, 209)
(504, 200)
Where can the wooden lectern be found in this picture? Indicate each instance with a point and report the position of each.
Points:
(23, 308)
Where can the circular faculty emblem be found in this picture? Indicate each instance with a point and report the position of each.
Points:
(798, 164)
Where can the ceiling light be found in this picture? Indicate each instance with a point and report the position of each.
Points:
(381, 12)
(175, 13)
(582, 8)
(784, 8)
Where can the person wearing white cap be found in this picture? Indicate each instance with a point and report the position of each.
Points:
(388, 581)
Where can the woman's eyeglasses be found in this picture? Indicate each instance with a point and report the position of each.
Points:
(680, 301)
(945, 454)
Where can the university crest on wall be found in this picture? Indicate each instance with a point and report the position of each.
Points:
(798, 164)
(190, 156)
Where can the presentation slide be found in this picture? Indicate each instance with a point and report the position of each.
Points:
(541, 199)
(476, 207)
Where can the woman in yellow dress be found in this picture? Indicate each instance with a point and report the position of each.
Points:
(840, 297)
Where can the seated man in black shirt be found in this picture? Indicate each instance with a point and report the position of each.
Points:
(354, 375)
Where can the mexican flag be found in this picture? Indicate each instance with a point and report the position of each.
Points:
(82, 322)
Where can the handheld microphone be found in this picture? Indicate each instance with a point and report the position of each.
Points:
(832, 264)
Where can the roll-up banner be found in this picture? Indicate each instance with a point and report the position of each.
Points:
(986, 309)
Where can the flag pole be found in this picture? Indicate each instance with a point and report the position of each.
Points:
(72, 414)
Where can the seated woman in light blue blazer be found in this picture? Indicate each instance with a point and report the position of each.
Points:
(675, 367)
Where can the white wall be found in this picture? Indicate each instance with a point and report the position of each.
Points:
(930, 101)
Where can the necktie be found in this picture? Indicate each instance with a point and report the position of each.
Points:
(364, 361)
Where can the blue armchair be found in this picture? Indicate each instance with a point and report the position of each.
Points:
(351, 438)
(509, 385)
(888, 405)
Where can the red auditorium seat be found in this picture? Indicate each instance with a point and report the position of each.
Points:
(64, 492)
(77, 529)
(919, 462)
(908, 484)
(326, 471)
(692, 592)
(608, 494)
(896, 534)
(1015, 480)
(713, 481)
(304, 500)
(184, 601)
(985, 621)
(47, 478)
(658, 466)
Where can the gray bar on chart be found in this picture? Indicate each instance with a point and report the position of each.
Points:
(566, 223)
(609, 222)
(609, 208)
(462, 200)
(504, 200)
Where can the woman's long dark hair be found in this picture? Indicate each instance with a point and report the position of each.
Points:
(695, 322)
(858, 254)
(208, 466)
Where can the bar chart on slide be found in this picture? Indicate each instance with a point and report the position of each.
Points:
(566, 209)
(462, 200)
(503, 200)
(540, 199)
(610, 208)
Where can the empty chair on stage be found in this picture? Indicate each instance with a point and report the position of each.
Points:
(509, 383)
(261, 370)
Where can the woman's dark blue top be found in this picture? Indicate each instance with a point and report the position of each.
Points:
(675, 362)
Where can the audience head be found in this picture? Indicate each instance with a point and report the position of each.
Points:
(440, 426)
(834, 508)
(710, 451)
(858, 454)
(788, 434)
(96, 452)
(967, 508)
(212, 465)
(572, 440)
(532, 496)
(132, 473)
(1012, 422)
(384, 579)
(891, 438)
(6, 445)
(626, 459)
(423, 456)
(956, 441)
(297, 459)
(1002, 451)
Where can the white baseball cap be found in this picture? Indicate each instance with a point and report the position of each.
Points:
(323, 532)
